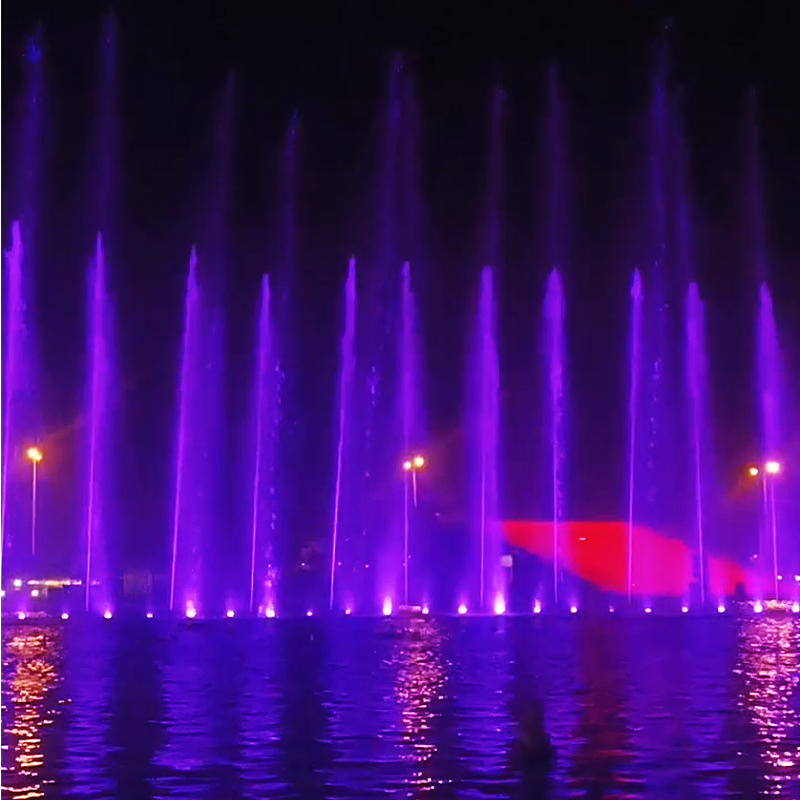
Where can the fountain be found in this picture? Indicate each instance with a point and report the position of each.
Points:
(264, 457)
(555, 353)
(484, 430)
(634, 374)
(191, 340)
(696, 375)
(13, 358)
(346, 377)
(100, 387)
(768, 355)
(409, 413)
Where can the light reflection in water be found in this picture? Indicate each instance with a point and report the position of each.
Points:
(31, 671)
(768, 662)
(419, 685)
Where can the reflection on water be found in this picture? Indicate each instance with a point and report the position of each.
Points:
(654, 708)
(769, 659)
(30, 675)
(419, 686)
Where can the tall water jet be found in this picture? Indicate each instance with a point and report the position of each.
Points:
(696, 379)
(14, 336)
(635, 354)
(554, 311)
(768, 396)
(98, 450)
(346, 377)
(484, 424)
(264, 455)
(409, 414)
(191, 331)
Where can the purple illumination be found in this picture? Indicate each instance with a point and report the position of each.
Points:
(14, 358)
(262, 568)
(696, 374)
(554, 337)
(484, 427)
(387, 607)
(346, 376)
(410, 413)
(198, 475)
(99, 394)
(462, 609)
(769, 368)
(635, 350)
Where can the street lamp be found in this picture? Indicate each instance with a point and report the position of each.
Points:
(34, 455)
(769, 471)
(411, 466)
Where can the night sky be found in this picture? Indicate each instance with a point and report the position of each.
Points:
(169, 165)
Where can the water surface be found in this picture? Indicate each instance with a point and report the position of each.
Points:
(353, 708)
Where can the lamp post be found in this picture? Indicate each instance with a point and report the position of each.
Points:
(770, 470)
(35, 456)
(411, 466)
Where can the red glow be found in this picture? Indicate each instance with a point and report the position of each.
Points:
(597, 553)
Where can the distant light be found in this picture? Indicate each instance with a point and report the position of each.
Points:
(797, 578)
(149, 615)
(419, 462)
(34, 454)
(462, 609)
(348, 611)
(721, 608)
(230, 613)
(387, 606)
(772, 467)
(796, 607)
(537, 607)
(407, 465)
(499, 605)
(106, 614)
(20, 615)
(684, 609)
(573, 609)
(648, 610)
(753, 471)
(426, 610)
(309, 613)
(780, 577)
(65, 615)
(34, 592)
(191, 611)
(17, 583)
(270, 612)
(758, 607)
(2, 592)
(611, 609)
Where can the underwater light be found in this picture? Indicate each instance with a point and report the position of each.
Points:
(648, 610)
(106, 614)
(721, 608)
(462, 609)
(611, 609)
(309, 613)
(230, 613)
(20, 615)
(425, 610)
(537, 607)
(758, 607)
(270, 612)
(684, 609)
(573, 609)
(65, 615)
(387, 607)
(191, 611)
(796, 607)
(499, 605)
(149, 615)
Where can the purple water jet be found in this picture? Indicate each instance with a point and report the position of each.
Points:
(484, 429)
(191, 325)
(346, 377)
(409, 413)
(635, 351)
(768, 397)
(99, 394)
(13, 344)
(264, 454)
(554, 311)
(696, 379)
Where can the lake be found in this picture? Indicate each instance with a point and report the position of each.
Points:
(653, 707)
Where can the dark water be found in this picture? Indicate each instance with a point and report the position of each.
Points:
(653, 707)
